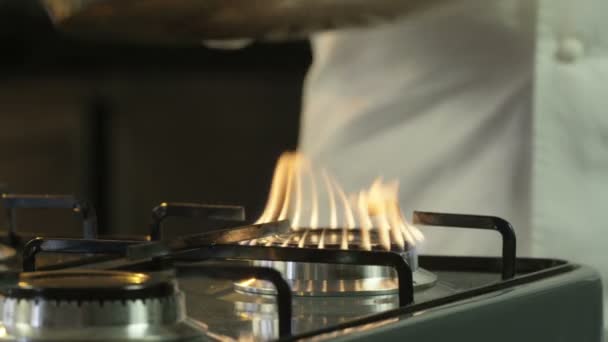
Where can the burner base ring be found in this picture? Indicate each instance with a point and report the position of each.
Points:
(367, 286)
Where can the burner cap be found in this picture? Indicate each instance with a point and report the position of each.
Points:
(90, 285)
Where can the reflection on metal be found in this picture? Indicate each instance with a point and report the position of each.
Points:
(192, 21)
(312, 313)
(369, 280)
(354, 330)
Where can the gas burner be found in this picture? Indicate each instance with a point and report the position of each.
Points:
(112, 305)
(368, 220)
(325, 279)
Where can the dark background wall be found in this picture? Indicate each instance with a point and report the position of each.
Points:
(130, 126)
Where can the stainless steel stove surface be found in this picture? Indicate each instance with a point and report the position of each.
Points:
(561, 307)
(248, 316)
(513, 312)
(198, 288)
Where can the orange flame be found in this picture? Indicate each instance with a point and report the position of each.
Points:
(311, 199)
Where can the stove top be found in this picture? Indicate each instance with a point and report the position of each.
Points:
(265, 281)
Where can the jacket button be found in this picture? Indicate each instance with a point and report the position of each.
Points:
(570, 50)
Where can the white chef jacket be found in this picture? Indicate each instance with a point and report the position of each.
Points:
(486, 107)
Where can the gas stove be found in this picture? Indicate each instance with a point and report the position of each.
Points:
(267, 281)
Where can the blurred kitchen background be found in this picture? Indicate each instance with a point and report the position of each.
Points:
(128, 127)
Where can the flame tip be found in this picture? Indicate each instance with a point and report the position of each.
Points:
(296, 194)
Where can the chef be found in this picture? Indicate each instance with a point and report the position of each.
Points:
(489, 107)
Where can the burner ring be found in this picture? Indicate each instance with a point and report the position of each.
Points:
(316, 279)
(97, 306)
(90, 285)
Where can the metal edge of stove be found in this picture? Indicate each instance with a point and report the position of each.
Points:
(548, 268)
